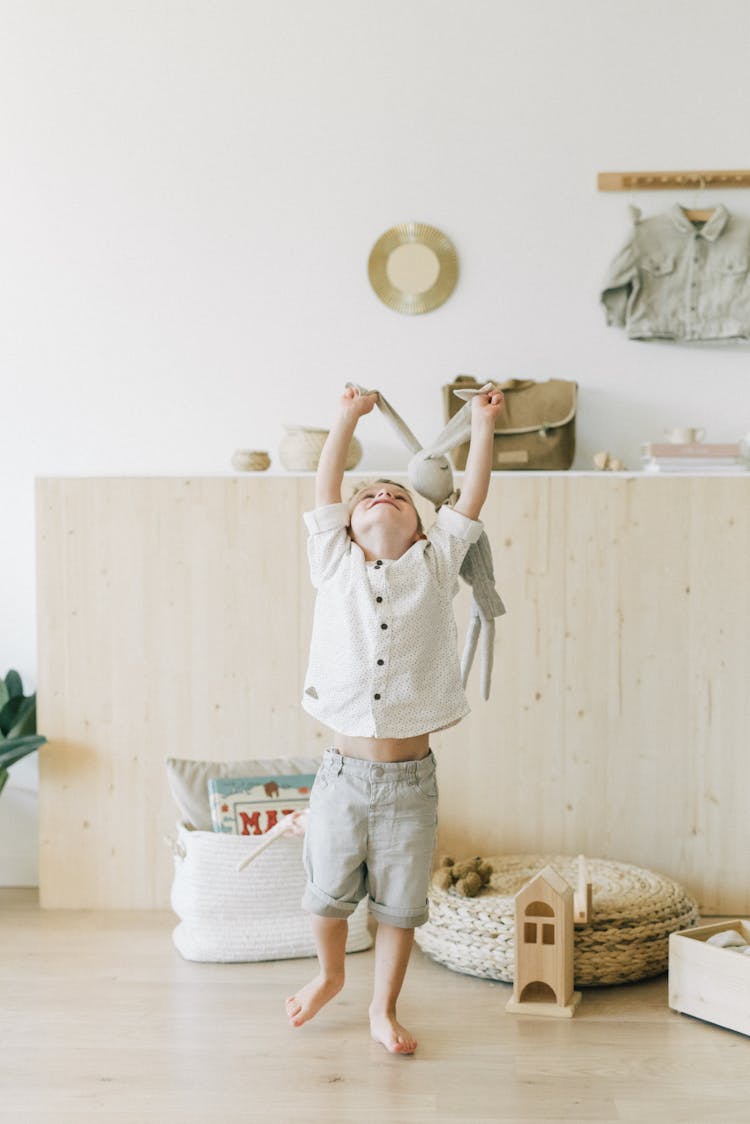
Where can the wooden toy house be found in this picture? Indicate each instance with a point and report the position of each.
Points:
(543, 978)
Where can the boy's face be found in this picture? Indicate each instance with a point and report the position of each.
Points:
(382, 505)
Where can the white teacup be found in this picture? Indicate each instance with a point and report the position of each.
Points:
(685, 435)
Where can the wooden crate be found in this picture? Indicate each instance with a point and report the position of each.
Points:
(709, 982)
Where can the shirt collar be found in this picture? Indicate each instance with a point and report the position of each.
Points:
(710, 230)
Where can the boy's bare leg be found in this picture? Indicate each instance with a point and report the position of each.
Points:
(330, 940)
(392, 950)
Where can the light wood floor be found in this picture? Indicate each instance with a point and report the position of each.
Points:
(102, 1020)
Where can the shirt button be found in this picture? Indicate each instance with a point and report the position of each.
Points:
(378, 599)
(384, 626)
(380, 663)
(376, 696)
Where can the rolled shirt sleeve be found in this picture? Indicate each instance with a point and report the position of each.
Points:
(450, 538)
(328, 540)
(458, 525)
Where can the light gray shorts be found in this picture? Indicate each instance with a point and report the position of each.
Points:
(371, 832)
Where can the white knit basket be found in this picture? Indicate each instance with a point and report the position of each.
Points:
(254, 914)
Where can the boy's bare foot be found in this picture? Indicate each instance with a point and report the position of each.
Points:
(396, 1038)
(310, 998)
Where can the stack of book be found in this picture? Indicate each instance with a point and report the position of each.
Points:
(698, 457)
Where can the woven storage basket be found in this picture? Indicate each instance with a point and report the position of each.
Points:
(250, 460)
(300, 450)
(634, 911)
(252, 914)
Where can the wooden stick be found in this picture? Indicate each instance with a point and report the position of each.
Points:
(271, 836)
(582, 894)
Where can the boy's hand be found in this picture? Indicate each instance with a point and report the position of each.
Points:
(330, 471)
(356, 405)
(488, 406)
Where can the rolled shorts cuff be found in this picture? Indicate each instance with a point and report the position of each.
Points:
(402, 918)
(315, 900)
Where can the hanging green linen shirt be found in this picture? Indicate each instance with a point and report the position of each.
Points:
(679, 280)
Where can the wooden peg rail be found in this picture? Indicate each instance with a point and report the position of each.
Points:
(670, 181)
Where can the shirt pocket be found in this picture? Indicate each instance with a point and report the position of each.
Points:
(658, 265)
(731, 266)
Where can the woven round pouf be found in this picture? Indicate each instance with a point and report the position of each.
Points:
(634, 911)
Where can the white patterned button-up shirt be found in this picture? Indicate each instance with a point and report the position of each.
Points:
(383, 655)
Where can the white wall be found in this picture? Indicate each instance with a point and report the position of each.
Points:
(190, 192)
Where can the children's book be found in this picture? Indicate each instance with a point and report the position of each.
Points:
(253, 805)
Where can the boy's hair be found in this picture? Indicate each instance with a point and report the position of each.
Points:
(382, 480)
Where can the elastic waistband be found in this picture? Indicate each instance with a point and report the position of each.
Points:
(379, 770)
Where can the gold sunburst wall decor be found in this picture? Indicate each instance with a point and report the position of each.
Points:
(413, 268)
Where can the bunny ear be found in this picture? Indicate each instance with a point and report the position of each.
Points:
(455, 433)
(471, 392)
(399, 425)
(395, 419)
(458, 428)
(359, 389)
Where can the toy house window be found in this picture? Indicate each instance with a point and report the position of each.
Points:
(531, 933)
(534, 932)
(539, 909)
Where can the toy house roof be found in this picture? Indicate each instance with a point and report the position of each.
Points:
(549, 876)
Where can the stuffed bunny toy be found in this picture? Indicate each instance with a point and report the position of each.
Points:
(430, 474)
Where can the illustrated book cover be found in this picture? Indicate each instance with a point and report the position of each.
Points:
(253, 805)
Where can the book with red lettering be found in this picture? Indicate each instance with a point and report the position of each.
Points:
(253, 805)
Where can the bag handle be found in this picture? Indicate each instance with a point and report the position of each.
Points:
(516, 384)
(509, 385)
(177, 848)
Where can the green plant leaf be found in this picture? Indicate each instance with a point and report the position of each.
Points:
(13, 683)
(9, 714)
(14, 749)
(18, 735)
(25, 721)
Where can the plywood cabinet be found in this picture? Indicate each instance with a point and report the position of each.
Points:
(174, 618)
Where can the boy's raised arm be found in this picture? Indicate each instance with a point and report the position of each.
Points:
(333, 456)
(476, 483)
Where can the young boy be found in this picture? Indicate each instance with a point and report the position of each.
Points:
(383, 674)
